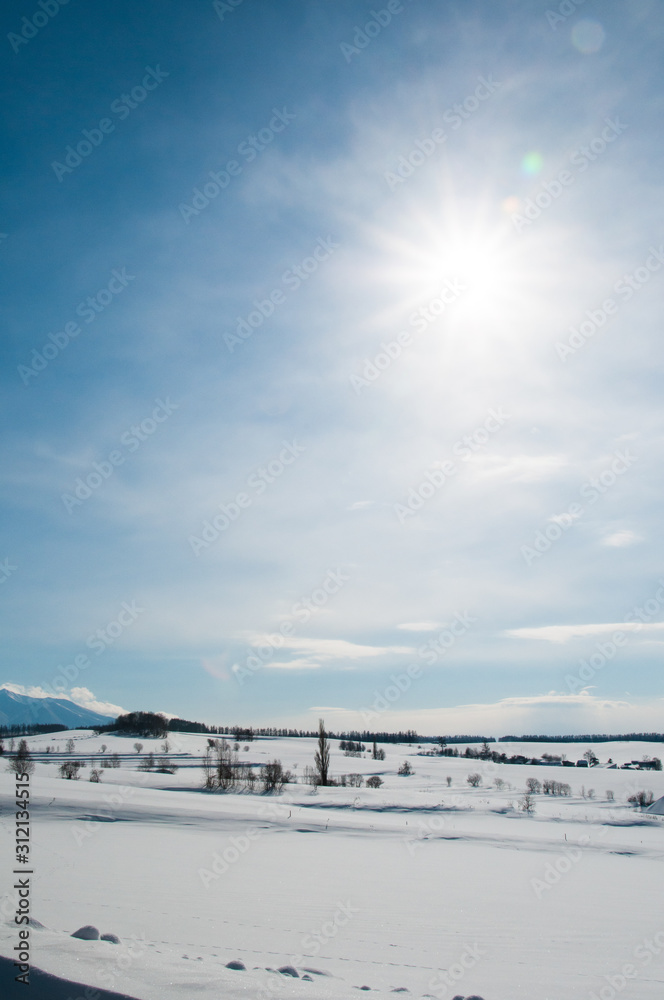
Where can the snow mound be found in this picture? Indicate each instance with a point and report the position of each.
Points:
(113, 938)
(240, 966)
(289, 970)
(87, 933)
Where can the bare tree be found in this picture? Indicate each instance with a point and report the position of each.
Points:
(138, 747)
(147, 764)
(374, 781)
(474, 779)
(406, 768)
(609, 796)
(69, 746)
(448, 780)
(95, 774)
(21, 762)
(310, 776)
(527, 803)
(322, 757)
(208, 766)
(533, 786)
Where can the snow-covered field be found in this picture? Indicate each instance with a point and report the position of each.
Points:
(420, 886)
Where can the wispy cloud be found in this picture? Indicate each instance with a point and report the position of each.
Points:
(563, 633)
(622, 539)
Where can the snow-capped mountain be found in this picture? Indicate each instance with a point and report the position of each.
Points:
(20, 709)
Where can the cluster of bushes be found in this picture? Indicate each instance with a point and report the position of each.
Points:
(556, 788)
(223, 772)
(641, 799)
(161, 764)
(352, 749)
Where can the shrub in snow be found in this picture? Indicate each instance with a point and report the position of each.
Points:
(406, 769)
(374, 781)
(474, 779)
(641, 799)
(533, 786)
(609, 796)
(69, 769)
(273, 776)
(95, 774)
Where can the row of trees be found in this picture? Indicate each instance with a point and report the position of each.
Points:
(222, 770)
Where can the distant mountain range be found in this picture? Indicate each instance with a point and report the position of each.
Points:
(20, 709)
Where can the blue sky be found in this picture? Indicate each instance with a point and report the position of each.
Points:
(332, 362)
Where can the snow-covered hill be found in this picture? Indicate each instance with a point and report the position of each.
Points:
(432, 888)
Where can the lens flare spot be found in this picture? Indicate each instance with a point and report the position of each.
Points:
(531, 164)
(511, 204)
(588, 36)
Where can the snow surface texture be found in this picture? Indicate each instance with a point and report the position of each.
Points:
(414, 887)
